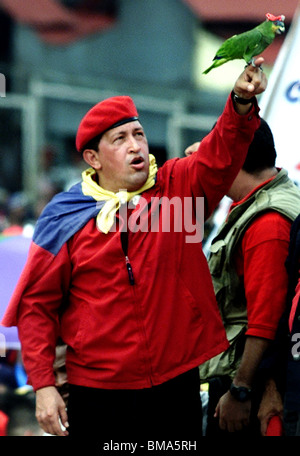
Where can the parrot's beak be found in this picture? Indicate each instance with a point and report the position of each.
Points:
(279, 27)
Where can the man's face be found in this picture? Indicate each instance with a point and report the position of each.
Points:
(123, 155)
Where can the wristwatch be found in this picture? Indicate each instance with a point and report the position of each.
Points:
(240, 393)
(242, 101)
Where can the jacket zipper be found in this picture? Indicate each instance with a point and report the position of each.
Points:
(129, 270)
(124, 242)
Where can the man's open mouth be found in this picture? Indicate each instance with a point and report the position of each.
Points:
(137, 162)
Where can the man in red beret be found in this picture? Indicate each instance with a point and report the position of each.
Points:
(127, 291)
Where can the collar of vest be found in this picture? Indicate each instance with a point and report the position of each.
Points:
(242, 214)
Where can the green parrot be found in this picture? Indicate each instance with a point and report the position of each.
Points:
(249, 44)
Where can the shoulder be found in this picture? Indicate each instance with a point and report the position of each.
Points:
(268, 227)
(170, 169)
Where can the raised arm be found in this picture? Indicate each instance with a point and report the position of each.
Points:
(250, 83)
(211, 170)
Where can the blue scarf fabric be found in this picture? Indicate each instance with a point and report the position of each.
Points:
(66, 214)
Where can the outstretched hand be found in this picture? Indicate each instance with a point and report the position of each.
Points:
(252, 81)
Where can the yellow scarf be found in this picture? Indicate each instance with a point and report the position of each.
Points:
(106, 216)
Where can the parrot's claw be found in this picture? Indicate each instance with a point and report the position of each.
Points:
(252, 62)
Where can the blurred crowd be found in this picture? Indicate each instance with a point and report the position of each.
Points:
(17, 400)
(18, 215)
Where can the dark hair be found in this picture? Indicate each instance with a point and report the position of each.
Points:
(93, 143)
(261, 153)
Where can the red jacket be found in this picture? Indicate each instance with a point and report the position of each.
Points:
(124, 335)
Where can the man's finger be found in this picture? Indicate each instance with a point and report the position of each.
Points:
(255, 64)
(259, 61)
(50, 423)
(222, 424)
(64, 419)
(56, 428)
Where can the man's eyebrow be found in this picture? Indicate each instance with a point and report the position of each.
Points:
(123, 132)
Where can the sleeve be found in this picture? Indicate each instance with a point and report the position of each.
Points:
(40, 304)
(210, 171)
(264, 249)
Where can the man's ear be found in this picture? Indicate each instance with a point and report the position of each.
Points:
(92, 158)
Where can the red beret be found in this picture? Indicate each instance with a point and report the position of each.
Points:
(107, 114)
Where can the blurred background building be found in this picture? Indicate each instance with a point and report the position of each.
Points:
(59, 57)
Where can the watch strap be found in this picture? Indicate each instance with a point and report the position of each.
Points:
(242, 101)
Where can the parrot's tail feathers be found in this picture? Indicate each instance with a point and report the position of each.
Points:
(216, 63)
(208, 69)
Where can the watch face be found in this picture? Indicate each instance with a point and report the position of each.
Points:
(243, 395)
(240, 393)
